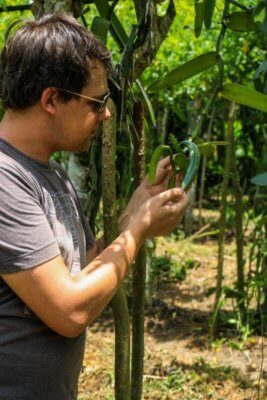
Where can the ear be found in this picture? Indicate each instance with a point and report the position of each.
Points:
(49, 100)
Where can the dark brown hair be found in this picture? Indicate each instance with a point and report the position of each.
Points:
(54, 50)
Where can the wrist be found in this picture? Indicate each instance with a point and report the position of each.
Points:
(137, 227)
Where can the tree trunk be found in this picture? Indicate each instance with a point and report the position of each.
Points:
(139, 271)
(222, 222)
(111, 231)
(41, 7)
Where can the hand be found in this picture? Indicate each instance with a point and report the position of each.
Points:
(145, 191)
(162, 213)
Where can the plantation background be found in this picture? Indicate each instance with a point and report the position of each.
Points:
(205, 286)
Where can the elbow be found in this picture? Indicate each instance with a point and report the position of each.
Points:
(78, 322)
(71, 326)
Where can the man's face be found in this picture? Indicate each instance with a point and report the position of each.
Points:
(79, 119)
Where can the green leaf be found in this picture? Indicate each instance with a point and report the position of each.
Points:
(116, 28)
(128, 51)
(199, 17)
(185, 71)
(147, 101)
(242, 21)
(243, 95)
(199, 140)
(181, 161)
(260, 180)
(260, 70)
(208, 148)
(260, 16)
(100, 27)
(218, 143)
(208, 12)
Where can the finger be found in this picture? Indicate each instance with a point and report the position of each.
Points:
(178, 206)
(172, 195)
(178, 179)
(163, 170)
(164, 162)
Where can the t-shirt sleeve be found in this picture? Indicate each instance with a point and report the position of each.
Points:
(26, 239)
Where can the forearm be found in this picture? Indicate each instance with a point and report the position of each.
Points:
(96, 284)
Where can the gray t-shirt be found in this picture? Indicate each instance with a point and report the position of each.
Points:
(39, 219)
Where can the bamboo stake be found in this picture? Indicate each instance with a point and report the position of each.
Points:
(111, 231)
(139, 271)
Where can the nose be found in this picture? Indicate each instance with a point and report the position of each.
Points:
(106, 114)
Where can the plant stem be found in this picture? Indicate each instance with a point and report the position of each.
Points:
(239, 5)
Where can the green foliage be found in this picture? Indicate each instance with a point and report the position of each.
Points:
(165, 267)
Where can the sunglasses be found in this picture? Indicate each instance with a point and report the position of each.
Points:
(100, 105)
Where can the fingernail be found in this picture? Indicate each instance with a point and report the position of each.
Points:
(179, 192)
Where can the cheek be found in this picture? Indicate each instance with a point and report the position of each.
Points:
(91, 119)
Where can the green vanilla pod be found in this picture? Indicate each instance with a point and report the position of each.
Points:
(194, 160)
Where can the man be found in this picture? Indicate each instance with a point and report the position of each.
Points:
(53, 279)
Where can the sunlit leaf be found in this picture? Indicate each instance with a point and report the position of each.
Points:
(185, 71)
(244, 95)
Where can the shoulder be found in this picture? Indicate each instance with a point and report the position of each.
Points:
(14, 173)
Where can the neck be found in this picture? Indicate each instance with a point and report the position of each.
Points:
(25, 131)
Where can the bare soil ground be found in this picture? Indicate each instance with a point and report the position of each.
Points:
(180, 360)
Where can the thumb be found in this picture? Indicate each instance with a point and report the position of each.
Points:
(172, 195)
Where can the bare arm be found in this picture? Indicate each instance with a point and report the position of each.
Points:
(68, 304)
